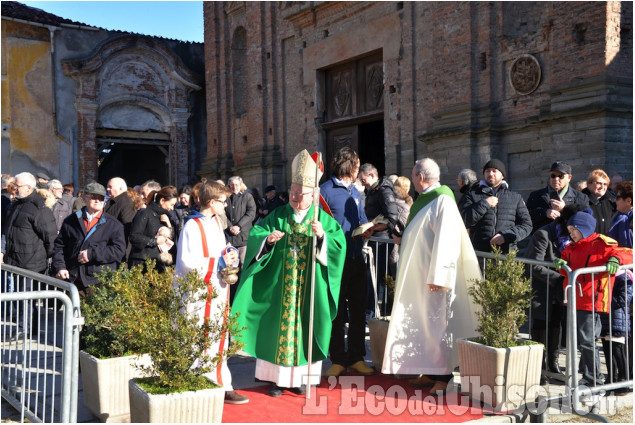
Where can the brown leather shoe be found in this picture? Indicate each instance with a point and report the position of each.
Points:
(335, 370)
(232, 397)
(362, 368)
(422, 382)
(439, 388)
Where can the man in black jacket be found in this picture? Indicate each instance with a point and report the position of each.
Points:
(31, 228)
(380, 199)
(89, 241)
(494, 214)
(547, 310)
(545, 205)
(30, 233)
(241, 212)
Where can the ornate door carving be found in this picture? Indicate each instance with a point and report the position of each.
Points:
(354, 98)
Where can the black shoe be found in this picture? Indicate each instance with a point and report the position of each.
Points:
(300, 391)
(554, 367)
(275, 391)
(544, 380)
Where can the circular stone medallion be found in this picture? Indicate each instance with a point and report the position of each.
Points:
(524, 74)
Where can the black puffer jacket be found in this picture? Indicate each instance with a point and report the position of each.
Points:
(604, 209)
(539, 202)
(510, 218)
(31, 232)
(241, 212)
(105, 243)
(143, 233)
(381, 200)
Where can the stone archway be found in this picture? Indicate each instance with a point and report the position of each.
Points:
(133, 84)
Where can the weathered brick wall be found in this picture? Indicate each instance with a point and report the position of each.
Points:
(447, 90)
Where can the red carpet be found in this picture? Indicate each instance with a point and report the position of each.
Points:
(372, 399)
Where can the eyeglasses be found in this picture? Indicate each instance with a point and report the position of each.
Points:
(557, 176)
(299, 195)
(96, 197)
(220, 202)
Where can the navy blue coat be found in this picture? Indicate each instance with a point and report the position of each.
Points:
(106, 245)
(348, 210)
(620, 307)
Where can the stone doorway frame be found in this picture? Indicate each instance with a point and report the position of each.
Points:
(172, 107)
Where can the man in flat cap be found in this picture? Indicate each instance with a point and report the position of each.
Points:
(272, 201)
(89, 240)
(545, 205)
(42, 181)
(494, 214)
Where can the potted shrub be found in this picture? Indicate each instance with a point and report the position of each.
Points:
(108, 360)
(160, 319)
(498, 368)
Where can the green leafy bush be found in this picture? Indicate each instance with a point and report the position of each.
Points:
(104, 334)
(152, 313)
(503, 295)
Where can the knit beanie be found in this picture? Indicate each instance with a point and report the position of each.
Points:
(496, 163)
(584, 222)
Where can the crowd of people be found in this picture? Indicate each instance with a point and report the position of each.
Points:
(286, 240)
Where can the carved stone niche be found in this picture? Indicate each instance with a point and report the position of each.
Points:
(524, 74)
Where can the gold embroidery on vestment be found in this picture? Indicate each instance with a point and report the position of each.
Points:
(290, 343)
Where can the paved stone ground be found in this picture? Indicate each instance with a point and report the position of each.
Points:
(616, 408)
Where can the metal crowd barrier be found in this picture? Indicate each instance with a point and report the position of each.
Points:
(377, 252)
(573, 388)
(39, 331)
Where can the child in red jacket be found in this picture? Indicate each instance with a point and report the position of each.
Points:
(590, 249)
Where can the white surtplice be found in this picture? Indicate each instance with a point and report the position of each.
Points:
(435, 249)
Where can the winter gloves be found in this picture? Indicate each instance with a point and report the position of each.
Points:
(559, 263)
(611, 266)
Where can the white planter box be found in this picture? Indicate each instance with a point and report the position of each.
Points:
(204, 406)
(105, 384)
(504, 378)
(378, 330)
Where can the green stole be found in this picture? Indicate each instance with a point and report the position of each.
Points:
(296, 280)
(426, 197)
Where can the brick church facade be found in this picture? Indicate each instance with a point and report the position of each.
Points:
(526, 82)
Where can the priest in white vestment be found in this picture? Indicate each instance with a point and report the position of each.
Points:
(436, 265)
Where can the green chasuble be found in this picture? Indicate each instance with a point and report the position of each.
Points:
(274, 292)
